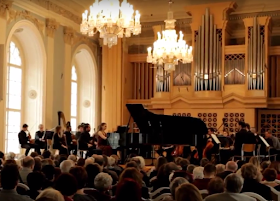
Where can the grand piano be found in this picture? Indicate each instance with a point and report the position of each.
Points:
(158, 129)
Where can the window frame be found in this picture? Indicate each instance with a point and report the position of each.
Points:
(77, 98)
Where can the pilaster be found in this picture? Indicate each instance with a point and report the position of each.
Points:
(68, 39)
(112, 85)
(51, 27)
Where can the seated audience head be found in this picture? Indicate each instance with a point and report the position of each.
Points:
(187, 192)
(103, 182)
(209, 171)
(99, 160)
(128, 189)
(62, 158)
(231, 166)
(216, 185)
(190, 168)
(49, 172)
(132, 164)
(105, 160)
(50, 194)
(249, 171)
(170, 167)
(240, 163)
(11, 156)
(247, 126)
(220, 168)
(268, 134)
(142, 161)
(111, 161)
(255, 161)
(160, 161)
(175, 183)
(242, 125)
(178, 160)
(234, 183)
(81, 162)
(9, 177)
(270, 174)
(37, 165)
(34, 154)
(116, 158)
(2, 155)
(203, 162)
(181, 174)
(265, 164)
(66, 165)
(9, 162)
(198, 173)
(28, 162)
(81, 176)
(66, 184)
(88, 161)
(35, 180)
(57, 172)
(72, 158)
(184, 163)
(276, 166)
(92, 171)
(131, 173)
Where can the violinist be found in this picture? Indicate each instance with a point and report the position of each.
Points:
(24, 138)
(85, 141)
(59, 141)
(40, 137)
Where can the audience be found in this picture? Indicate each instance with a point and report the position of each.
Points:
(233, 186)
(92, 171)
(102, 183)
(216, 185)
(9, 182)
(276, 166)
(270, 176)
(173, 185)
(187, 192)
(128, 189)
(203, 162)
(251, 184)
(35, 182)
(49, 172)
(50, 194)
(66, 165)
(231, 167)
(209, 172)
(66, 184)
(220, 168)
(27, 167)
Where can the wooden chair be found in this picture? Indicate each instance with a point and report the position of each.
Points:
(248, 148)
(274, 194)
(254, 195)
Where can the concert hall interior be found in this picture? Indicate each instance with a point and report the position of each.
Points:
(113, 100)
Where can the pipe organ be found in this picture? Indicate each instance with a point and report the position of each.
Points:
(208, 55)
(162, 79)
(256, 56)
(234, 69)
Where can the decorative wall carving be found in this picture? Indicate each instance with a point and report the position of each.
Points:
(210, 119)
(5, 5)
(231, 121)
(15, 14)
(48, 5)
(79, 38)
(69, 35)
(51, 26)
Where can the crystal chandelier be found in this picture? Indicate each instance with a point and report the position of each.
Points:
(168, 49)
(112, 19)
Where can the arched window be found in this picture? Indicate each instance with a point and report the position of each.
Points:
(74, 98)
(14, 99)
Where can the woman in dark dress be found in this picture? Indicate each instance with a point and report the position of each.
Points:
(101, 137)
(59, 141)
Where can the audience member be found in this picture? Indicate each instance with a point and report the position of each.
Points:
(102, 183)
(198, 173)
(81, 162)
(128, 189)
(50, 194)
(92, 171)
(34, 154)
(250, 173)
(276, 166)
(66, 165)
(46, 154)
(173, 185)
(35, 182)
(117, 168)
(270, 176)
(264, 165)
(220, 168)
(81, 176)
(209, 172)
(190, 168)
(160, 161)
(49, 173)
(88, 161)
(37, 165)
(231, 167)
(216, 185)
(233, 186)
(66, 184)
(73, 158)
(132, 164)
(187, 192)
(255, 161)
(203, 162)
(27, 167)
(9, 182)
(11, 156)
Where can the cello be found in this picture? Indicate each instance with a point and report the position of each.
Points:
(178, 151)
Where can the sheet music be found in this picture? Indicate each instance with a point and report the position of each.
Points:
(214, 137)
(264, 141)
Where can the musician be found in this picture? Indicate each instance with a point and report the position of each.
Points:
(80, 131)
(40, 137)
(101, 137)
(59, 141)
(208, 150)
(25, 139)
(85, 141)
(243, 137)
(70, 141)
(271, 140)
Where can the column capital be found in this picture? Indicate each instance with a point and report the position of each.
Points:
(5, 5)
(69, 34)
(51, 26)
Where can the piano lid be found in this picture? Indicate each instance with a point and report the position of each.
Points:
(165, 129)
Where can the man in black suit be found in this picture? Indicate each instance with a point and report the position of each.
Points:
(243, 137)
(24, 141)
(40, 137)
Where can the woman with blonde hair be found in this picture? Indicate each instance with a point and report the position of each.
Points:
(50, 193)
(101, 137)
(187, 192)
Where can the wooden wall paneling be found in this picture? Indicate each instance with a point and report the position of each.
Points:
(273, 77)
(138, 80)
(134, 90)
(278, 75)
(151, 80)
(142, 70)
(1, 71)
(146, 68)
